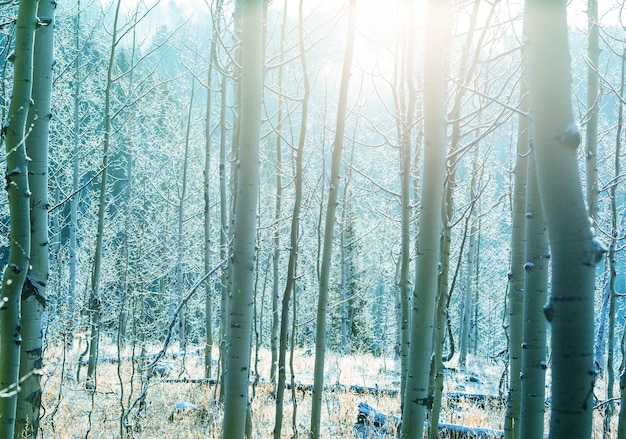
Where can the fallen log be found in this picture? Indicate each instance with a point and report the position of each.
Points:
(371, 423)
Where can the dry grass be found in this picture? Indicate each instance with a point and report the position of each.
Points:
(70, 410)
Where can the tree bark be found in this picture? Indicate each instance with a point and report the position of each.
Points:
(472, 262)
(516, 275)
(19, 210)
(406, 120)
(534, 365)
(416, 398)
(224, 236)
(34, 290)
(591, 133)
(574, 250)
(237, 372)
(611, 258)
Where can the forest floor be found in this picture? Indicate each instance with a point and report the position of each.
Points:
(71, 411)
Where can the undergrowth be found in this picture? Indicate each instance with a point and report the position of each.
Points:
(70, 411)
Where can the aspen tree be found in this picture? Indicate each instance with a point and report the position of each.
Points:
(276, 322)
(34, 290)
(574, 250)
(611, 258)
(534, 334)
(536, 261)
(208, 348)
(94, 293)
(294, 234)
(15, 131)
(591, 132)
(73, 220)
(466, 70)
(416, 398)
(237, 371)
(329, 226)
(516, 279)
(406, 121)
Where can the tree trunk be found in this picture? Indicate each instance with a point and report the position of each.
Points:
(611, 258)
(274, 342)
(94, 296)
(329, 227)
(73, 222)
(621, 424)
(237, 373)
(406, 120)
(208, 354)
(224, 236)
(591, 134)
(574, 250)
(19, 210)
(180, 241)
(34, 290)
(294, 236)
(416, 398)
(534, 365)
(516, 275)
(465, 75)
(468, 296)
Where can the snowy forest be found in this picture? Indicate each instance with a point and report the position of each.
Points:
(312, 219)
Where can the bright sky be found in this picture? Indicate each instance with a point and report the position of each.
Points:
(375, 17)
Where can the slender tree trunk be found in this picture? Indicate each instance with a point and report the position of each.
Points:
(73, 223)
(290, 287)
(621, 424)
(442, 310)
(466, 73)
(534, 364)
(611, 258)
(344, 311)
(468, 295)
(208, 306)
(610, 356)
(34, 290)
(416, 398)
(591, 134)
(94, 296)
(406, 121)
(347, 238)
(516, 275)
(574, 250)
(180, 242)
(274, 342)
(329, 227)
(125, 313)
(224, 233)
(237, 373)
(472, 264)
(19, 209)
